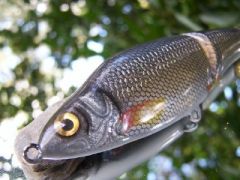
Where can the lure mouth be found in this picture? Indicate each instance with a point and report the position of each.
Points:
(32, 153)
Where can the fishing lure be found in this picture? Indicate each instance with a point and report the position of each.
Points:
(137, 93)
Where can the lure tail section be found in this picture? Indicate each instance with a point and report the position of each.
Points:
(218, 45)
(225, 41)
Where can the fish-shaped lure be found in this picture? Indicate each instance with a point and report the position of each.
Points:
(138, 92)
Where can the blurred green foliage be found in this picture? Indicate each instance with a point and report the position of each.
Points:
(123, 24)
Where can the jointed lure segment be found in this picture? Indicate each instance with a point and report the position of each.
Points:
(139, 92)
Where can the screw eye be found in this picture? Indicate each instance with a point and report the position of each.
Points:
(32, 153)
(66, 124)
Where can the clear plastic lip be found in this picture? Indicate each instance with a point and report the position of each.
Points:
(32, 153)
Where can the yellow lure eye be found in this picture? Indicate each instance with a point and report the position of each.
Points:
(66, 124)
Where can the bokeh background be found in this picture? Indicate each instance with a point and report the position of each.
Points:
(49, 47)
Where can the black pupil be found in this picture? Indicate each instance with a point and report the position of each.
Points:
(67, 124)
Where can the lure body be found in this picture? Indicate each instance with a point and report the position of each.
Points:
(141, 91)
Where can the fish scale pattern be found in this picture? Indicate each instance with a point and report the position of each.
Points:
(140, 92)
(173, 69)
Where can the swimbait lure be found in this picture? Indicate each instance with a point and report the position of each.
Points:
(137, 93)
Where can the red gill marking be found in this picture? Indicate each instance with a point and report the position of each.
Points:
(128, 118)
(143, 113)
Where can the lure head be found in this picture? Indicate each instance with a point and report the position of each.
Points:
(81, 127)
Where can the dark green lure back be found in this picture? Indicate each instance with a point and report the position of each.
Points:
(139, 92)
